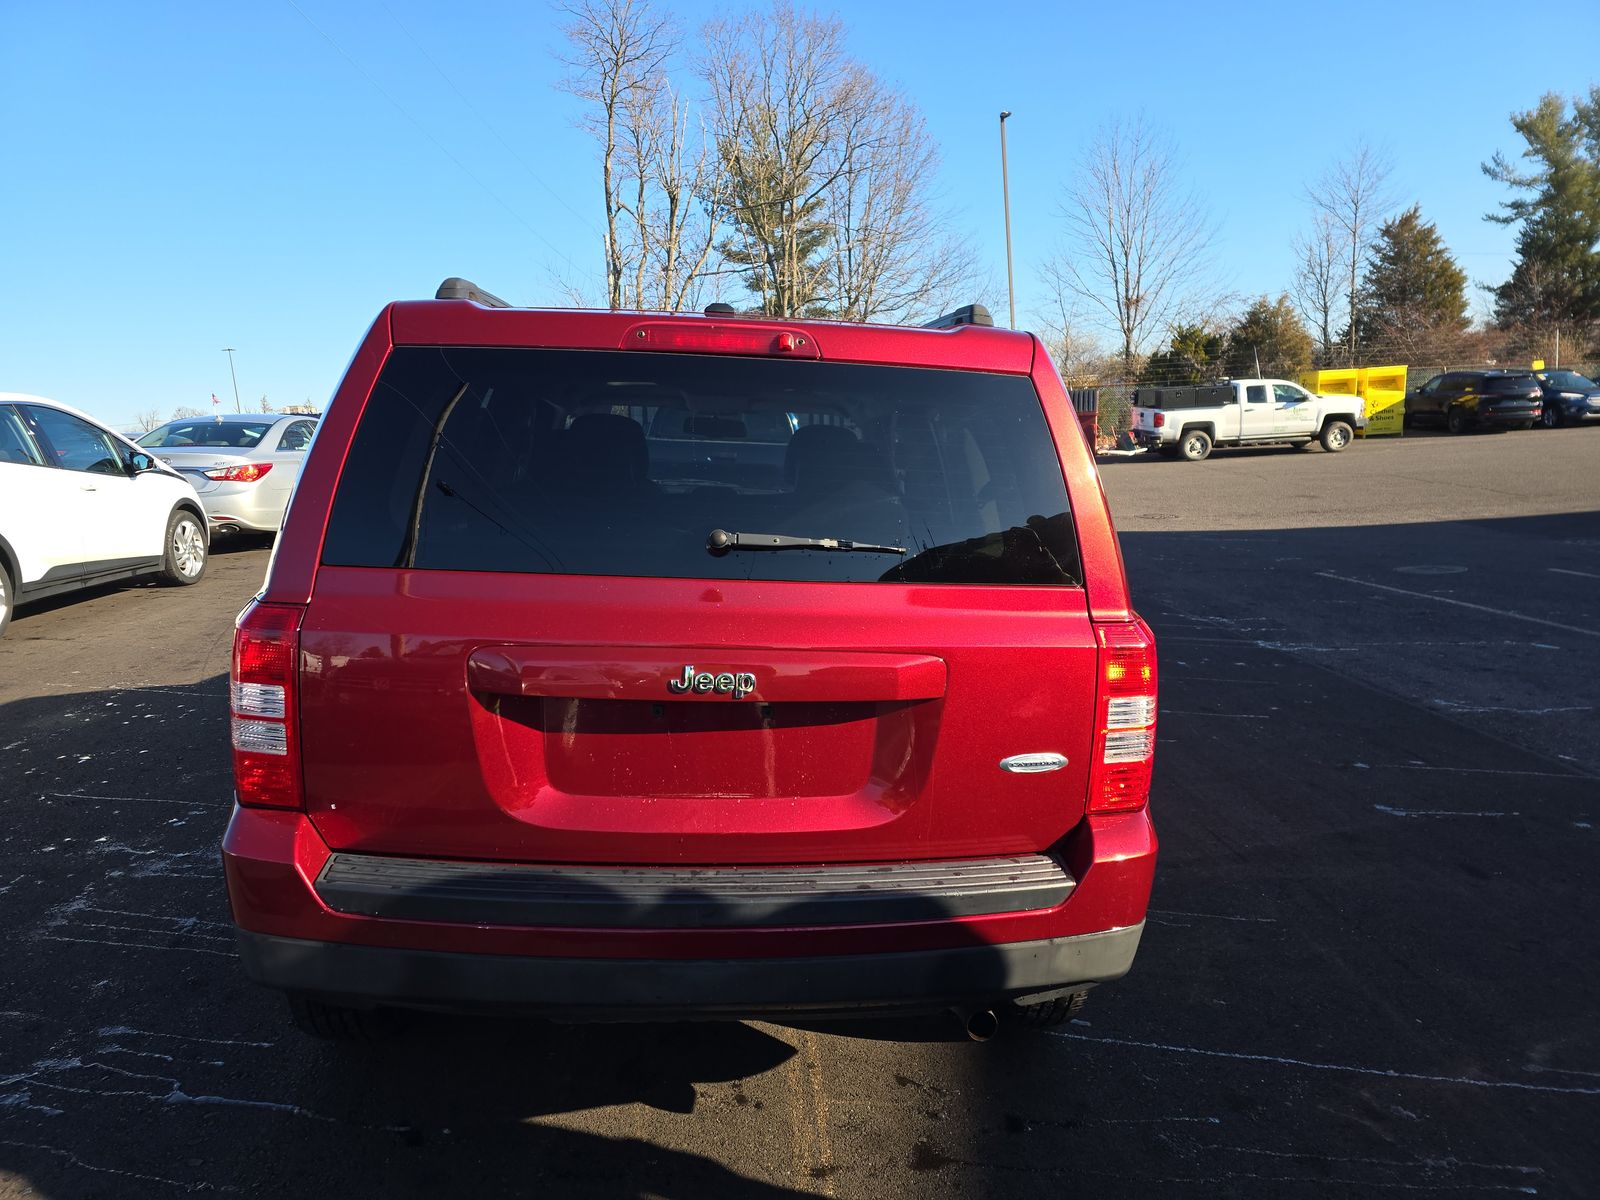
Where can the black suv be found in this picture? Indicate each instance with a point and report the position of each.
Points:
(1463, 400)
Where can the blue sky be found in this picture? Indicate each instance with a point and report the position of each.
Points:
(184, 177)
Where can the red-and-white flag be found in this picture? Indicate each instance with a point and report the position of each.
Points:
(214, 400)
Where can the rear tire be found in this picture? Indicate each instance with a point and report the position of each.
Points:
(1336, 436)
(8, 598)
(1048, 1013)
(1455, 421)
(186, 553)
(335, 1023)
(1552, 417)
(1195, 445)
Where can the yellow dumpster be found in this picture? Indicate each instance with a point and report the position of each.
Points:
(1383, 390)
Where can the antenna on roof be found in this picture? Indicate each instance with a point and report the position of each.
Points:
(456, 288)
(972, 314)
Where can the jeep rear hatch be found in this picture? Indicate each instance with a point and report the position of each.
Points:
(524, 643)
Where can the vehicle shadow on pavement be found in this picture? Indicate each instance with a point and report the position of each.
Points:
(136, 1059)
(455, 1106)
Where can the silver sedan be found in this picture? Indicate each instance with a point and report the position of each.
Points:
(243, 465)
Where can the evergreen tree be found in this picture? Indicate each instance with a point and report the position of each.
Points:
(1556, 280)
(1413, 298)
(779, 229)
(1271, 333)
(1194, 355)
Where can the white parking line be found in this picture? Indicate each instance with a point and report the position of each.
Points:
(1430, 812)
(1564, 571)
(1308, 1064)
(1499, 612)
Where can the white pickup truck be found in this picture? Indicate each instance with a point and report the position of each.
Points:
(1186, 422)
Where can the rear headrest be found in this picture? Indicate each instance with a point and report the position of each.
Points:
(608, 446)
(823, 457)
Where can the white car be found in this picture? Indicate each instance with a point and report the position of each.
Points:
(243, 465)
(81, 505)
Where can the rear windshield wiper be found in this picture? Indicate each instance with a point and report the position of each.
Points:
(720, 541)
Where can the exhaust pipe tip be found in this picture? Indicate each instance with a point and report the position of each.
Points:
(981, 1025)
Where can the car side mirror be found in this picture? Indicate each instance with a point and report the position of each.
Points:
(142, 463)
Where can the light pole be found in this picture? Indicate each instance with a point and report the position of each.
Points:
(228, 350)
(1005, 193)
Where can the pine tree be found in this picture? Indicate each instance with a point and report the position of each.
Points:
(1556, 280)
(779, 230)
(1413, 300)
(1194, 355)
(1270, 333)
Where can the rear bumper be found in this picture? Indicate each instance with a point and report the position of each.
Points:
(1518, 416)
(649, 989)
(244, 506)
(513, 894)
(292, 938)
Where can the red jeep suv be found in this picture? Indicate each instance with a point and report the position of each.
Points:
(633, 666)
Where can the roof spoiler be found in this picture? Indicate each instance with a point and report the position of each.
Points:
(456, 288)
(972, 314)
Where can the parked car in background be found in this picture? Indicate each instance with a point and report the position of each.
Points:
(1569, 398)
(1187, 421)
(1464, 400)
(80, 505)
(822, 693)
(243, 465)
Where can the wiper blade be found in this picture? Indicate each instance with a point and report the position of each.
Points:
(720, 541)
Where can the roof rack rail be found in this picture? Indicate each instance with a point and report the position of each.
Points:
(456, 288)
(972, 314)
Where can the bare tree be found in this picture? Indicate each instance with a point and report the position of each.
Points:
(1353, 198)
(184, 413)
(781, 85)
(1318, 286)
(615, 49)
(832, 209)
(1137, 240)
(1076, 352)
(145, 421)
(676, 200)
(660, 177)
(891, 252)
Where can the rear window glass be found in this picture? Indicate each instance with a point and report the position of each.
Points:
(623, 463)
(1509, 385)
(208, 432)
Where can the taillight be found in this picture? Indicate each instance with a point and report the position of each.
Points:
(1125, 738)
(1160, 420)
(248, 473)
(266, 738)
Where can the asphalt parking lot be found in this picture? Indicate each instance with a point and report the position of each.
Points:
(1370, 965)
